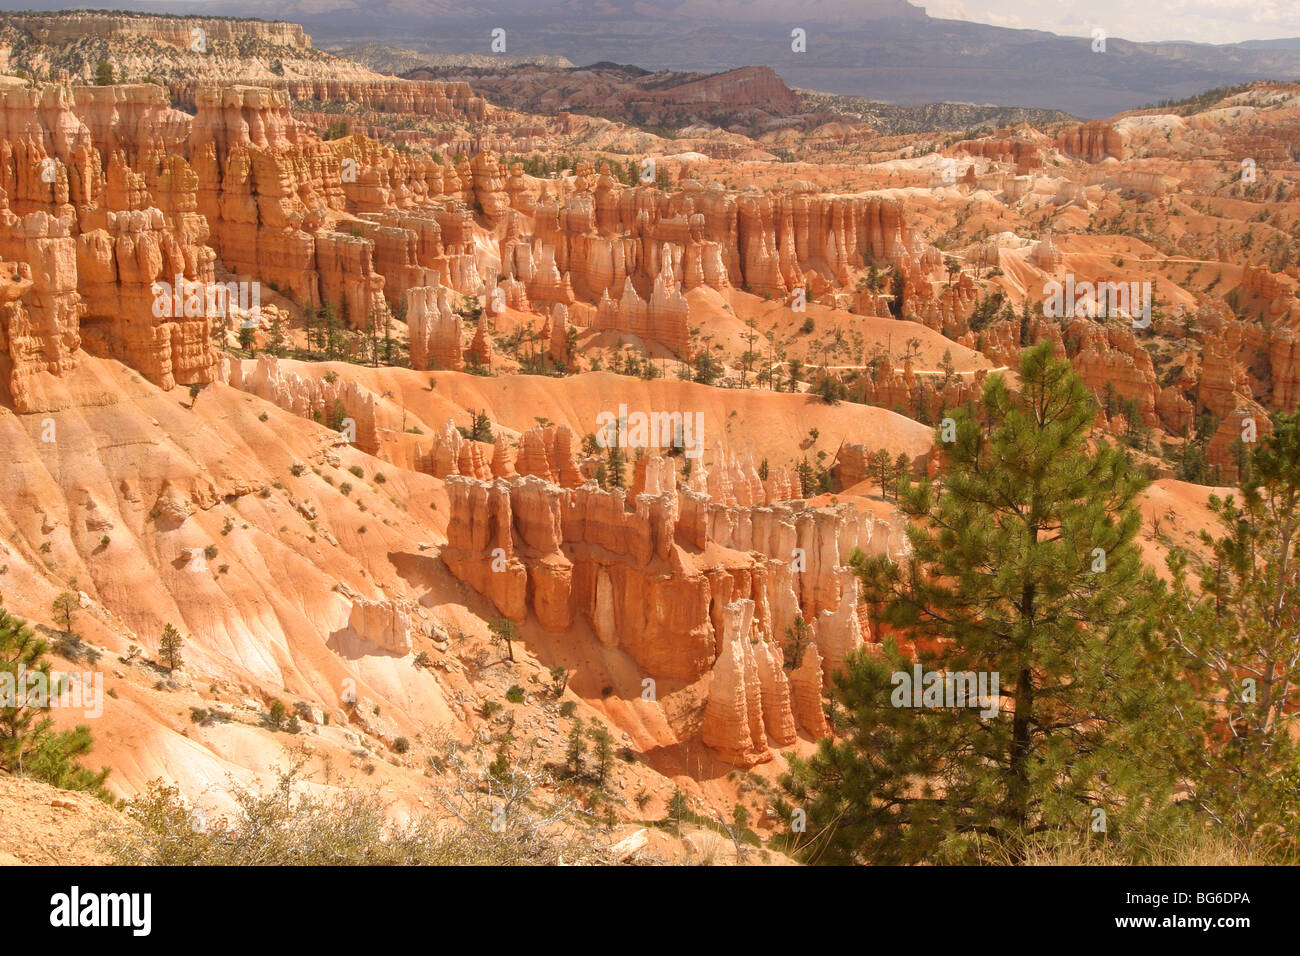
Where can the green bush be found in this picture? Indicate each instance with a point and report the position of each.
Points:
(29, 745)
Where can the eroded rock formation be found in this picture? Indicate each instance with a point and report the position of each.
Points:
(671, 577)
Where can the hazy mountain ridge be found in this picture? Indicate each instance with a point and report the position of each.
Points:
(888, 50)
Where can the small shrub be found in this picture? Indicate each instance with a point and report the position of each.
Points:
(515, 694)
(401, 745)
(356, 470)
(568, 708)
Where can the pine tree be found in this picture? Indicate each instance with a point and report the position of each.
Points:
(277, 338)
(66, 605)
(797, 638)
(481, 429)
(28, 743)
(617, 466)
(389, 342)
(575, 752)
(169, 648)
(603, 746)
(881, 465)
(1235, 666)
(807, 476)
(1023, 565)
(503, 632)
(948, 368)
(309, 325)
(332, 337)
(902, 468)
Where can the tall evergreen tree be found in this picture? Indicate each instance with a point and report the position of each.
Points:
(332, 335)
(277, 338)
(1236, 639)
(603, 751)
(807, 478)
(310, 326)
(1023, 565)
(617, 467)
(881, 466)
(575, 751)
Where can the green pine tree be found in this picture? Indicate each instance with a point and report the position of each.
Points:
(807, 476)
(65, 605)
(169, 648)
(1024, 565)
(603, 751)
(332, 336)
(575, 752)
(616, 472)
(1235, 666)
(309, 324)
(277, 338)
(28, 743)
(502, 631)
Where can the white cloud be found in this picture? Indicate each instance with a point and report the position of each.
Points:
(1204, 21)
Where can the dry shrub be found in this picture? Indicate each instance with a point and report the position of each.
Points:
(490, 820)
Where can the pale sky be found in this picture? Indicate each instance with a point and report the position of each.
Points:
(1203, 21)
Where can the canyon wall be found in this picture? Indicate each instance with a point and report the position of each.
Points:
(688, 587)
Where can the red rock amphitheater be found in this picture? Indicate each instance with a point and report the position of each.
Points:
(397, 448)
